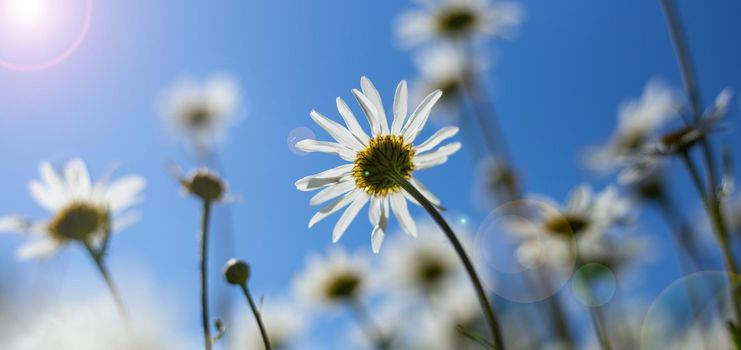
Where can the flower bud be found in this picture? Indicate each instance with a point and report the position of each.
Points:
(237, 272)
(205, 184)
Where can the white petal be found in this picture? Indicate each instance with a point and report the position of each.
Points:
(334, 207)
(123, 221)
(580, 198)
(422, 189)
(400, 107)
(374, 210)
(43, 196)
(309, 145)
(348, 216)
(13, 224)
(370, 91)
(370, 112)
(434, 140)
(125, 192)
(51, 179)
(351, 121)
(429, 163)
(399, 207)
(78, 178)
(442, 152)
(337, 131)
(379, 230)
(333, 191)
(41, 248)
(420, 115)
(325, 178)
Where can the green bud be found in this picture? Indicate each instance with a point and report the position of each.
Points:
(237, 272)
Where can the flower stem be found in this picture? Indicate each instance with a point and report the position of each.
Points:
(486, 307)
(204, 274)
(98, 259)
(600, 327)
(370, 327)
(258, 317)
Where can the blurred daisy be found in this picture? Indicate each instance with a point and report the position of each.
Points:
(375, 160)
(332, 279)
(443, 68)
(495, 183)
(96, 325)
(552, 232)
(427, 265)
(638, 124)
(81, 211)
(201, 111)
(285, 323)
(457, 20)
(440, 325)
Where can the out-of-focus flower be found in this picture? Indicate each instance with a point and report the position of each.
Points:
(639, 121)
(375, 161)
(97, 325)
(334, 278)
(441, 67)
(427, 265)
(457, 20)
(201, 111)
(440, 325)
(81, 211)
(495, 183)
(204, 184)
(284, 322)
(552, 233)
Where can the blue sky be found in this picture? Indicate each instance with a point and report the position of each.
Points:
(556, 88)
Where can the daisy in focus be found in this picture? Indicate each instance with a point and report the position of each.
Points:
(554, 234)
(333, 279)
(376, 162)
(457, 20)
(639, 123)
(81, 211)
(202, 111)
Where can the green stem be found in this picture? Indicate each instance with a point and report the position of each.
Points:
(599, 326)
(719, 228)
(258, 317)
(98, 259)
(370, 327)
(475, 280)
(204, 275)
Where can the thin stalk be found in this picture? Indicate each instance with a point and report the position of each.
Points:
(720, 235)
(97, 258)
(559, 321)
(258, 317)
(204, 275)
(486, 307)
(370, 327)
(599, 327)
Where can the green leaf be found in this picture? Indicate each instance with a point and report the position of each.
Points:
(478, 338)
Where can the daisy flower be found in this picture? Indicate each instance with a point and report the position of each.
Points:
(285, 320)
(201, 111)
(375, 160)
(440, 325)
(81, 211)
(335, 278)
(552, 232)
(639, 122)
(443, 68)
(457, 20)
(427, 265)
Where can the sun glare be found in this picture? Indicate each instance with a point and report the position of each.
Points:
(28, 12)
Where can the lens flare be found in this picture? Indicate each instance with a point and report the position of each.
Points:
(39, 34)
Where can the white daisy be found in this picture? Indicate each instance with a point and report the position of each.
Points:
(638, 124)
(96, 325)
(551, 232)
(81, 211)
(373, 159)
(331, 279)
(427, 265)
(440, 324)
(284, 322)
(457, 20)
(201, 111)
(443, 68)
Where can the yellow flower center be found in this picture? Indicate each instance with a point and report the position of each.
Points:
(198, 117)
(79, 221)
(386, 156)
(343, 286)
(457, 21)
(566, 225)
